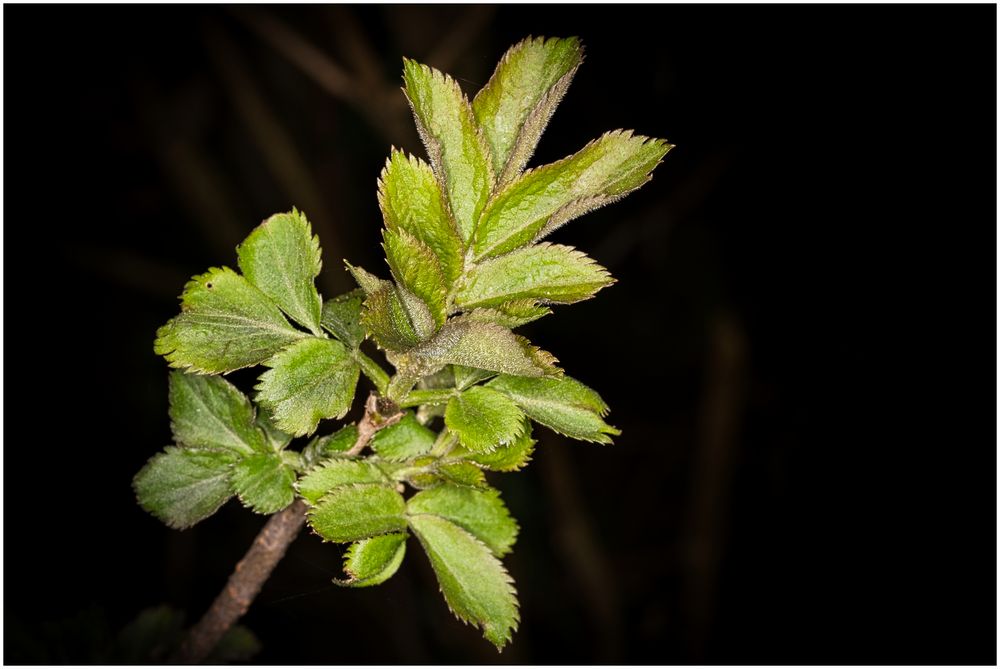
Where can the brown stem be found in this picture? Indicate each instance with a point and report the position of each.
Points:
(267, 550)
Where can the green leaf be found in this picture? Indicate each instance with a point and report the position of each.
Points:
(564, 405)
(310, 380)
(481, 512)
(411, 200)
(511, 314)
(387, 321)
(550, 273)
(367, 281)
(183, 486)
(475, 585)
(458, 152)
(263, 482)
(509, 458)
(275, 437)
(485, 346)
(544, 198)
(321, 448)
(335, 473)
(209, 412)
(342, 318)
(462, 472)
(354, 512)
(515, 105)
(416, 268)
(469, 376)
(403, 440)
(225, 324)
(483, 419)
(282, 258)
(373, 561)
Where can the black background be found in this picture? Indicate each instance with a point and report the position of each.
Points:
(800, 349)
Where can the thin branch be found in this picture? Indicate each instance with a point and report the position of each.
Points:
(267, 550)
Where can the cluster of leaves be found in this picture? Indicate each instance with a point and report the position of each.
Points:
(462, 239)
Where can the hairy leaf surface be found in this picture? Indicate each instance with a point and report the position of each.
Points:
(225, 324)
(309, 381)
(182, 486)
(416, 268)
(474, 583)
(338, 472)
(549, 273)
(328, 445)
(564, 405)
(404, 440)
(508, 458)
(282, 258)
(354, 512)
(483, 419)
(210, 412)
(263, 482)
(544, 198)
(510, 314)
(480, 512)
(515, 105)
(342, 317)
(373, 561)
(456, 147)
(485, 346)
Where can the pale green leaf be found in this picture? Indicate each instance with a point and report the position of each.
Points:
(342, 317)
(549, 273)
(403, 440)
(456, 147)
(373, 561)
(475, 585)
(515, 105)
(321, 448)
(483, 419)
(182, 486)
(263, 482)
(564, 405)
(481, 512)
(337, 472)
(510, 314)
(282, 258)
(355, 512)
(411, 200)
(309, 381)
(462, 472)
(225, 324)
(544, 198)
(209, 412)
(387, 321)
(416, 268)
(485, 346)
(508, 458)
(367, 281)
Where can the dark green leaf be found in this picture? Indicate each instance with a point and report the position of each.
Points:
(282, 258)
(342, 317)
(475, 585)
(182, 486)
(483, 419)
(355, 512)
(209, 412)
(373, 561)
(275, 437)
(549, 273)
(416, 268)
(225, 324)
(458, 152)
(517, 102)
(335, 473)
(480, 512)
(544, 198)
(387, 321)
(462, 472)
(469, 376)
(264, 483)
(310, 380)
(404, 440)
(321, 448)
(564, 405)
(411, 200)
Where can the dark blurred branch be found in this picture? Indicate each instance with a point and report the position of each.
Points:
(381, 105)
(711, 481)
(278, 147)
(582, 553)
